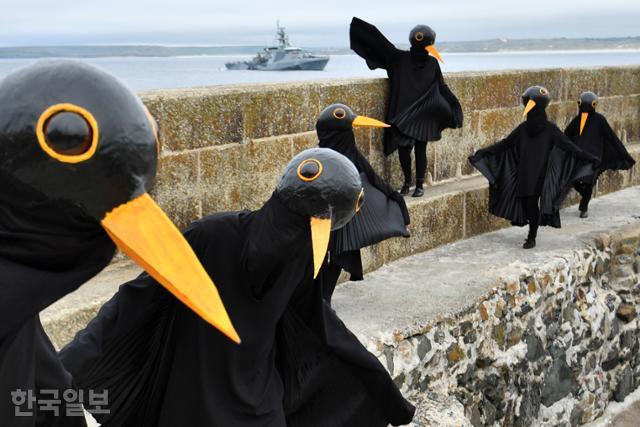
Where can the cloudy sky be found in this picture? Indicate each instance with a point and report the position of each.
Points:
(310, 23)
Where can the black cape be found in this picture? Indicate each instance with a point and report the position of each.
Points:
(47, 250)
(536, 159)
(420, 105)
(383, 215)
(601, 141)
(164, 366)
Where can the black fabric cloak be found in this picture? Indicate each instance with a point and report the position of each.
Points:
(47, 250)
(536, 159)
(383, 215)
(164, 366)
(420, 103)
(601, 141)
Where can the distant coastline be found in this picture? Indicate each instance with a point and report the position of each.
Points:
(494, 45)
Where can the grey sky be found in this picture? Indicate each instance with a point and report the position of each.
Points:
(310, 23)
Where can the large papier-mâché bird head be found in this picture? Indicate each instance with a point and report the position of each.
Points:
(338, 117)
(586, 104)
(72, 133)
(424, 37)
(325, 186)
(535, 96)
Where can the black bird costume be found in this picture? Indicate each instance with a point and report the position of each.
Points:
(532, 169)
(384, 215)
(77, 153)
(590, 131)
(165, 367)
(420, 104)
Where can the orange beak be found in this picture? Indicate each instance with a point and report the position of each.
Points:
(530, 105)
(144, 232)
(368, 122)
(320, 233)
(583, 121)
(433, 51)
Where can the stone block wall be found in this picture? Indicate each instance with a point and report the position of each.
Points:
(225, 147)
(550, 348)
(231, 137)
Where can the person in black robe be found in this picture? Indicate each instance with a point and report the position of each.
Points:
(384, 215)
(532, 169)
(77, 153)
(420, 104)
(590, 131)
(164, 367)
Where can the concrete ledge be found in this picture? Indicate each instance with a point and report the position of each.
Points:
(545, 337)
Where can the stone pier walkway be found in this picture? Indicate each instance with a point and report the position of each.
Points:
(419, 288)
(392, 309)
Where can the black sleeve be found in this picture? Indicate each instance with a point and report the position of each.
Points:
(456, 108)
(383, 186)
(369, 43)
(497, 148)
(615, 155)
(123, 348)
(372, 176)
(608, 133)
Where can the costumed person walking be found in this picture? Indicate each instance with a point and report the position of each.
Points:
(165, 367)
(420, 103)
(385, 213)
(591, 131)
(532, 169)
(78, 152)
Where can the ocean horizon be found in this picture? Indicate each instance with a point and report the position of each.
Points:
(149, 73)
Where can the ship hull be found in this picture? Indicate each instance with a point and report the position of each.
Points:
(314, 64)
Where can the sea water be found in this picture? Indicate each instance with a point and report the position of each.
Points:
(176, 72)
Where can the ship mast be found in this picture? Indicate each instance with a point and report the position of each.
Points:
(283, 39)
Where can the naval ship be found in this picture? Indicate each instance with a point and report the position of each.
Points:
(283, 57)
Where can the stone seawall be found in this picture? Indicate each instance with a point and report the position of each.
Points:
(483, 333)
(224, 147)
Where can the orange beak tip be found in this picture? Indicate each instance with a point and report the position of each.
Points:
(583, 121)
(320, 234)
(434, 52)
(368, 122)
(530, 106)
(143, 231)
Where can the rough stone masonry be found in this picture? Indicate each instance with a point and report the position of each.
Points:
(481, 332)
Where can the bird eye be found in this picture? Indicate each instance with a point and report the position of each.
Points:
(360, 200)
(339, 113)
(594, 103)
(309, 170)
(543, 91)
(579, 102)
(419, 36)
(68, 133)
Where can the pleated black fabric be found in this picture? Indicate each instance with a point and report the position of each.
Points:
(47, 250)
(415, 106)
(425, 119)
(383, 215)
(333, 381)
(164, 366)
(600, 140)
(551, 171)
(379, 219)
